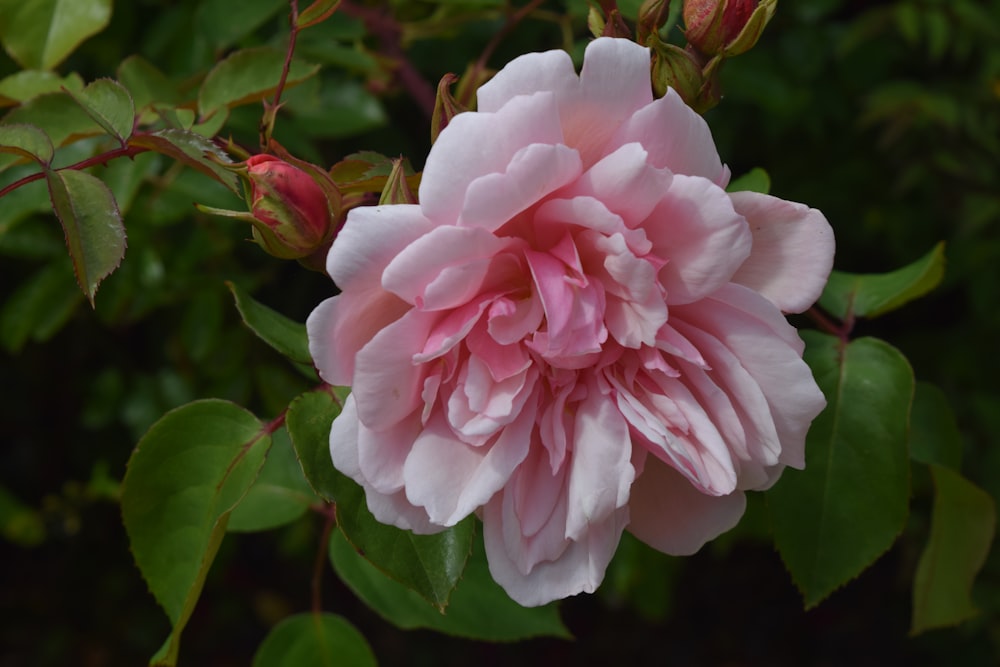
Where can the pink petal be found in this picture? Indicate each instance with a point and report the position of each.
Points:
(756, 333)
(476, 144)
(672, 516)
(450, 479)
(792, 250)
(625, 183)
(391, 508)
(614, 84)
(702, 237)
(370, 238)
(340, 326)
(444, 268)
(578, 569)
(533, 172)
(600, 464)
(675, 137)
(387, 382)
(531, 73)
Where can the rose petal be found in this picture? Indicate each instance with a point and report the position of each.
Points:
(670, 515)
(700, 234)
(792, 250)
(476, 144)
(675, 137)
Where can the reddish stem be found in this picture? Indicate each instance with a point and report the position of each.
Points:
(841, 331)
(388, 31)
(319, 564)
(293, 19)
(103, 158)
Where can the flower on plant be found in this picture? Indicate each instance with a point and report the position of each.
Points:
(576, 332)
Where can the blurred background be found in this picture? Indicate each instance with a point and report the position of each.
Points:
(884, 115)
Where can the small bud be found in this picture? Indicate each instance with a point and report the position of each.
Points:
(652, 17)
(291, 212)
(673, 67)
(726, 27)
(397, 190)
(446, 106)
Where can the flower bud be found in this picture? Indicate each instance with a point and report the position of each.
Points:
(726, 27)
(291, 212)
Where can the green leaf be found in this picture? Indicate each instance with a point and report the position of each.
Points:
(479, 608)
(110, 105)
(431, 565)
(282, 333)
(314, 640)
(248, 76)
(26, 84)
(280, 494)
(192, 149)
(934, 434)
(39, 306)
(40, 34)
(846, 508)
(146, 83)
(755, 180)
(27, 141)
(871, 295)
(962, 526)
(57, 116)
(184, 478)
(317, 12)
(223, 27)
(308, 422)
(95, 235)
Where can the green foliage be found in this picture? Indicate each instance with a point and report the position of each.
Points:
(42, 33)
(478, 609)
(833, 519)
(962, 527)
(323, 640)
(184, 479)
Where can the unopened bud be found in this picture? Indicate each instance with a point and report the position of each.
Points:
(446, 106)
(673, 67)
(397, 190)
(726, 27)
(652, 17)
(291, 212)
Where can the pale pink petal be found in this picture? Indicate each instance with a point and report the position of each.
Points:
(600, 467)
(614, 84)
(757, 334)
(700, 234)
(342, 325)
(533, 172)
(578, 569)
(387, 383)
(450, 479)
(381, 454)
(392, 508)
(792, 250)
(476, 144)
(415, 273)
(370, 238)
(531, 73)
(670, 515)
(675, 137)
(625, 183)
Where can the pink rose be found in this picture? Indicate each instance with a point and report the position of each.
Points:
(576, 332)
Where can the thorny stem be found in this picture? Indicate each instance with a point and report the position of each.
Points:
(319, 564)
(271, 110)
(103, 158)
(501, 34)
(389, 31)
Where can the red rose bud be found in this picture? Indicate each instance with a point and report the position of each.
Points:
(726, 27)
(291, 212)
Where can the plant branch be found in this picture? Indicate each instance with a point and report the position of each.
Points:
(103, 158)
(388, 31)
(319, 564)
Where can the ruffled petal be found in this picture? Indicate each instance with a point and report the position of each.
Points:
(792, 250)
(672, 516)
